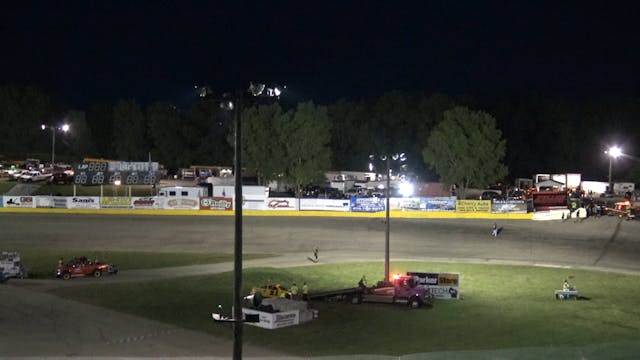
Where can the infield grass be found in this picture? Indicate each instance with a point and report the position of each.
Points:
(501, 307)
(5, 186)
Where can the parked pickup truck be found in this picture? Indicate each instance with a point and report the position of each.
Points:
(33, 176)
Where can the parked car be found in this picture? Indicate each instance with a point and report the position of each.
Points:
(33, 176)
(271, 290)
(490, 195)
(81, 266)
(15, 175)
(60, 178)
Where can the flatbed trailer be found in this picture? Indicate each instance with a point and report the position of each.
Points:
(347, 295)
(405, 290)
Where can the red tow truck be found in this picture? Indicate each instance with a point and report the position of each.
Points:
(405, 289)
(623, 209)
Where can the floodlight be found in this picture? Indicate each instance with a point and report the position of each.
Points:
(406, 189)
(615, 151)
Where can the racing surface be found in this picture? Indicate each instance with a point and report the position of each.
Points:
(47, 326)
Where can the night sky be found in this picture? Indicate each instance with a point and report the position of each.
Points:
(85, 52)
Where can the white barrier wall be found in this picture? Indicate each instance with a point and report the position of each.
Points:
(325, 204)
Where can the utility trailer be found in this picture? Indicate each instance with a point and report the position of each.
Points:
(10, 266)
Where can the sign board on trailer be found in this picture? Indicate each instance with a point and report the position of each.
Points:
(441, 285)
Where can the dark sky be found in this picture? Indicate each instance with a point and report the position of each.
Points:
(91, 51)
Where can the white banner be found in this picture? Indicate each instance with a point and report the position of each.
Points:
(84, 202)
(274, 320)
(282, 204)
(179, 203)
(18, 201)
(324, 204)
(61, 202)
(44, 201)
(412, 203)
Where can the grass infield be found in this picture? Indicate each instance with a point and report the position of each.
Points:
(501, 307)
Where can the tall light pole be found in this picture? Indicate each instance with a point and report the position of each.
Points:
(256, 90)
(63, 128)
(387, 159)
(613, 153)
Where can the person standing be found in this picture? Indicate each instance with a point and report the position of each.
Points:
(294, 291)
(305, 292)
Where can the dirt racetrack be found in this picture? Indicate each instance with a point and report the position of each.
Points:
(44, 325)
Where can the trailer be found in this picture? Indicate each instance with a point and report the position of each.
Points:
(10, 266)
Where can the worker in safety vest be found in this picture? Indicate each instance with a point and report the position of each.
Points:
(305, 292)
(294, 291)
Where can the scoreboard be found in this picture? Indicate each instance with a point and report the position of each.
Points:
(107, 173)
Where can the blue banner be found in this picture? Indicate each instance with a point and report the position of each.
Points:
(439, 203)
(372, 204)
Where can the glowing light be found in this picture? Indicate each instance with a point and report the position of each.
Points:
(615, 151)
(65, 127)
(406, 189)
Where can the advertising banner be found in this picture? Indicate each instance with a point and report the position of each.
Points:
(473, 206)
(216, 203)
(324, 204)
(144, 202)
(44, 201)
(115, 202)
(282, 204)
(509, 206)
(18, 201)
(84, 202)
(440, 203)
(1, 201)
(373, 204)
(181, 203)
(404, 203)
(441, 285)
(274, 320)
(60, 202)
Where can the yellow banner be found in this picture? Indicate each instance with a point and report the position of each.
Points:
(449, 279)
(473, 206)
(115, 201)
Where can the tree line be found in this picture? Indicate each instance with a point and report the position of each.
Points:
(460, 140)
